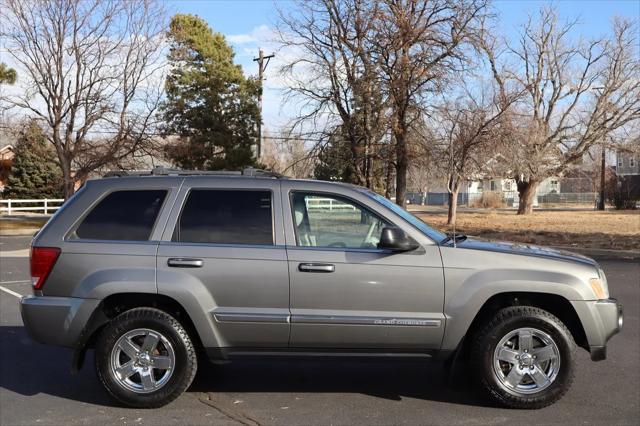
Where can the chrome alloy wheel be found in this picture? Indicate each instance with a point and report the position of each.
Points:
(526, 361)
(142, 360)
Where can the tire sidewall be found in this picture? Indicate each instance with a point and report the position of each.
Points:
(162, 323)
(560, 336)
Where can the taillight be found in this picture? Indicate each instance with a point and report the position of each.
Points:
(42, 261)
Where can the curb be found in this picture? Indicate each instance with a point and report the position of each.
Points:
(603, 254)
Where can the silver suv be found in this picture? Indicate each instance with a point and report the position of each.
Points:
(153, 270)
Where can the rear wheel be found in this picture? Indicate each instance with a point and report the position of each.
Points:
(524, 357)
(145, 358)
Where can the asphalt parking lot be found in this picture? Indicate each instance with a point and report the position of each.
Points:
(37, 388)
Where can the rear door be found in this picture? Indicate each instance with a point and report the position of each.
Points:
(223, 255)
(345, 292)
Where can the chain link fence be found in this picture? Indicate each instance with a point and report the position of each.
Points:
(509, 199)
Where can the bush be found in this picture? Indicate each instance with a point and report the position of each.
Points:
(622, 193)
(489, 200)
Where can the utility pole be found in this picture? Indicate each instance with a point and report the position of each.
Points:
(603, 159)
(263, 62)
(603, 166)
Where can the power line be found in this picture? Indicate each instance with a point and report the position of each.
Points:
(165, 136)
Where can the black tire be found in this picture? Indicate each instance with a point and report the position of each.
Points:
(505, 321)
(158, 321)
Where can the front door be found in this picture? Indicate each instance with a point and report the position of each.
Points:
(224, 256)
(348, 294)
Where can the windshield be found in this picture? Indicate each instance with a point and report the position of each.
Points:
(435, 235)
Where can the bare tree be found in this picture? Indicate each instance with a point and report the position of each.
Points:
(422, 170)
(421, 44)
(577, 93)
(287, 155)
(91, 68)
(469, 130)
(335, 76)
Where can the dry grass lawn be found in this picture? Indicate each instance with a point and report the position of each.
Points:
(619, 230)
(10, 225)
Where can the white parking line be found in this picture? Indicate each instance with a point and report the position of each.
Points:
(15, 282)
(11, 292)
(15, 253)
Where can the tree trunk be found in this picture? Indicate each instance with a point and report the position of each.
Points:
(527, 190)
(68, 180)
(388, 179)
(402, 164)
(453, 205)
(68, 187)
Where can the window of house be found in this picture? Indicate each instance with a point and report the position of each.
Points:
(333, 221)
(632, 162)
(226, 217)
(123, 216)
(620, 162)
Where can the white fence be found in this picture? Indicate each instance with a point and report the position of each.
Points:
(46, 206)
(327, 204)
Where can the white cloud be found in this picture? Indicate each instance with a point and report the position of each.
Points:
(241, 38)
(260, 34)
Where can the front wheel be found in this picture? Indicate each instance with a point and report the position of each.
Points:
(145, 358)
(524, 357)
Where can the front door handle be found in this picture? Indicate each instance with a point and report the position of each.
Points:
(181, 262)
(316, 267)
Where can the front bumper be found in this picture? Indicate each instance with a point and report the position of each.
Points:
(601, 319)
(56, 321)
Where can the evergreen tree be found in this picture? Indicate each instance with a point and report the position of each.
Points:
(210, 104)
(34, 171)
(7, 75)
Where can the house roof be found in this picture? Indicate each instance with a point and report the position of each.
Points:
(7, 138)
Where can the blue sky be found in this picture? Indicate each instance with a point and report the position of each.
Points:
(247, 25)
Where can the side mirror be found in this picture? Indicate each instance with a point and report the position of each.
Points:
(395, 239)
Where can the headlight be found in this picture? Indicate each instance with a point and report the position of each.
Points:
(599, 286)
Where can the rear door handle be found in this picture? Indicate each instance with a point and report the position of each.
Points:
(181, 262)
(316, 267)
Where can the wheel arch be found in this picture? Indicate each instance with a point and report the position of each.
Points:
(115, 304)
(555, 304)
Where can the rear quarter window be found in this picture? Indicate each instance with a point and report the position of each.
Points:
(122, 216)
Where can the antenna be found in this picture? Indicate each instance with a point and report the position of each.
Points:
(450, 185)
(454, 233)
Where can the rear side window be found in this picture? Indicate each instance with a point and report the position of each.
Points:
(123, 216)
(226, 217)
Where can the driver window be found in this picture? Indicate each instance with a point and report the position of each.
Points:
(331, 221)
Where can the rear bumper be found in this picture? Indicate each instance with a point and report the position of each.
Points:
(601, 319)
(56, 321)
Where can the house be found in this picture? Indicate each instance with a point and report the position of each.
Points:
(627, 164)
(6, 158)
(508, 186)
(7, 153)
(628, 171)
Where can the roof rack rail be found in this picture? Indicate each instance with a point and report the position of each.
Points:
(164, 171)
